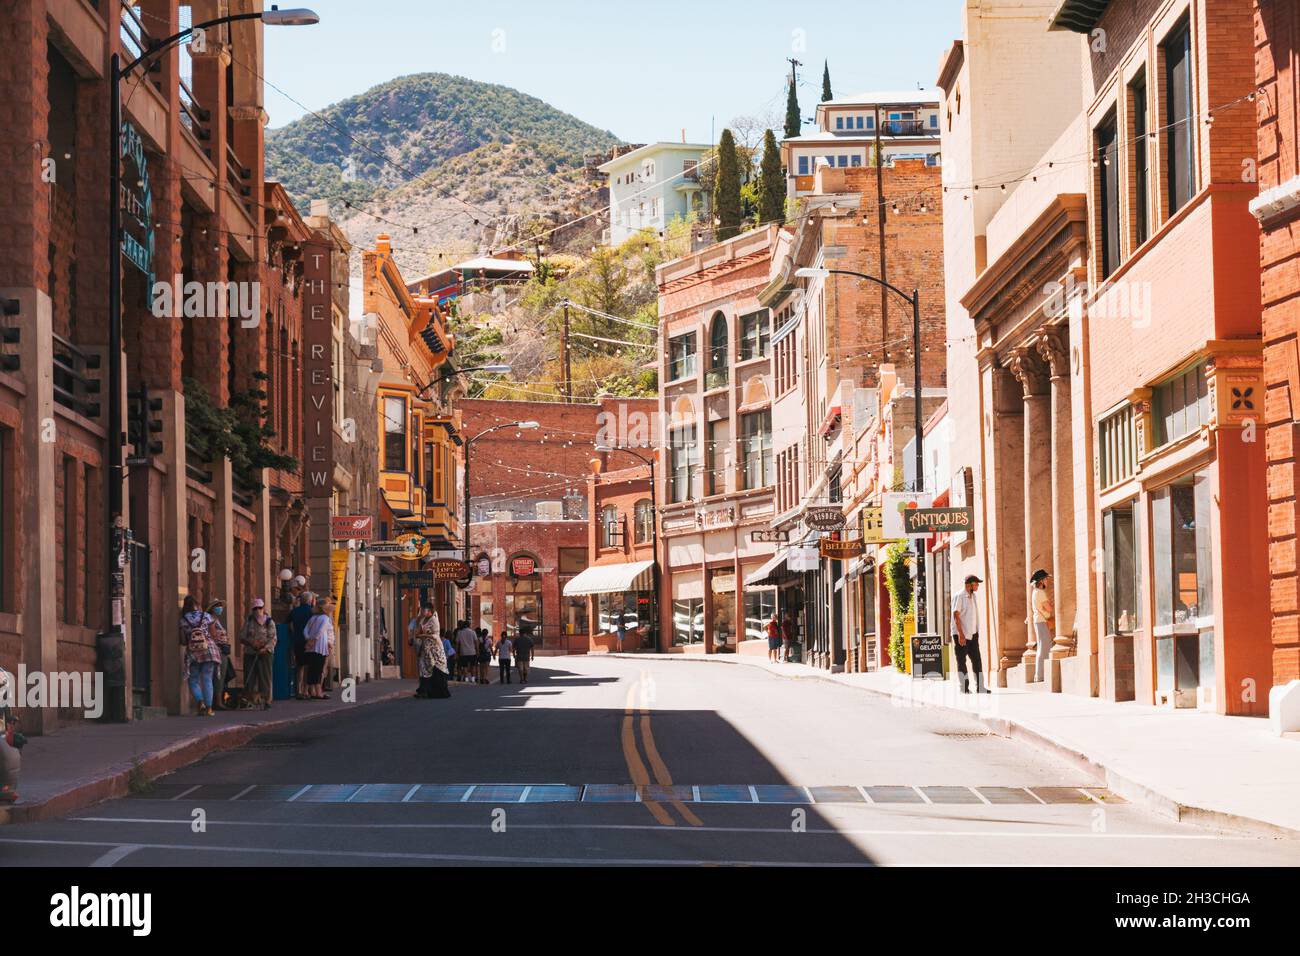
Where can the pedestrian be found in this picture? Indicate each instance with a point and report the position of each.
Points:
(201, 655)
(319, 634)
(774, 639)
(620, 632)
(430, 654)
(787, 637)
(504, 648)
(523, 648)
(298, 619)
(484, 654)
(466, 641)
(225, 671)
(966, 625)
(1041, 603)
(449, 649)
(258, 635)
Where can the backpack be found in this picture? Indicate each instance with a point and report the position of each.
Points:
(199, 635)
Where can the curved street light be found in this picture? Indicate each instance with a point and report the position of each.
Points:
(812, 272)
(115, 473)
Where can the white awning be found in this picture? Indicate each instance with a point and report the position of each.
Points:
(612, 579)
(761, 575)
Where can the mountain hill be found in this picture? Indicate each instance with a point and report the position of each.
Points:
(436, 152)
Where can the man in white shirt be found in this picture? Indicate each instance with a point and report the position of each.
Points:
(966, 633)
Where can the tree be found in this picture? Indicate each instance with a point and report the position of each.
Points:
(771, 183)
(793, 121)
(826, 81)
(726, 189)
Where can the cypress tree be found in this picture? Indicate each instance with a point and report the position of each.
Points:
(771, 183)
(826, 81)
(793, 121)
(726, 189)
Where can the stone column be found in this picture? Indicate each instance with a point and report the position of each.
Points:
(1030, 372)
(1003, 467)
(1053, 346)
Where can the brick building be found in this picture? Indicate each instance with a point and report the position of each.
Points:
(1277, 71)
(1114, 309)
(193, 179)
(528, 506)
(835, 333)
(716, 486)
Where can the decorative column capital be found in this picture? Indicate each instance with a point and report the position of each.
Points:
(1024, 363)
(1053, 346)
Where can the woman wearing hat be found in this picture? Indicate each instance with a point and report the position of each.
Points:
(1041, 603)
(258, 635)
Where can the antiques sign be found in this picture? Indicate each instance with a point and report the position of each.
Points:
(926, 520)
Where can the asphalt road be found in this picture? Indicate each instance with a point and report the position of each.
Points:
(621, 761)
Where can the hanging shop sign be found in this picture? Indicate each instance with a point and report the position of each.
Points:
(417, 545)
(413, 580)
(895, 504)
(840, 550)
(137, 205)
(449, 569)
(802, 559)
(318, 371)
(928, 520)
(352, 527)
(824, 519)
(484, 568)
(769, 537)
(523, 566)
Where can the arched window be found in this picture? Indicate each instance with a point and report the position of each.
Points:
(718, 341)
(608, 527)
(644, 519)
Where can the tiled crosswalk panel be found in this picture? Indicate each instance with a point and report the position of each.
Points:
(751, 794)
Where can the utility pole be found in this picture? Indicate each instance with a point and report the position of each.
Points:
(794, 79)
(568, 369)
(880, 225)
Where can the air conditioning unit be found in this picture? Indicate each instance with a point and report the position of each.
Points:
(550, 510)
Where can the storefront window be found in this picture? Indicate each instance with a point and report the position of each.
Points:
(632, 607)
(524, 603)
(1182, 562)
(760, 605)
(688, 621)
(572, 561)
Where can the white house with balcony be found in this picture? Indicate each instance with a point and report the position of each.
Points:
(906, 125)
(651, 186)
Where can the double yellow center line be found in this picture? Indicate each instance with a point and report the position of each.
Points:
(636, 768)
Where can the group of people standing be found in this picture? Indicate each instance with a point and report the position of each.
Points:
(206, 655)
(782, 634)
(465, 654)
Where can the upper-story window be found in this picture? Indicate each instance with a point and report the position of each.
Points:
(1181, 405)
(1137, 93)
(683, 457)
(681, 357)
(755, 334)
(609, 536)
(394, 434)
(839, 122)
(719, 349)
(756, 449)
(1117, 447)
(1108, 193)
(643, 517)
(871, 122)
(803, 165)
(1180, 151)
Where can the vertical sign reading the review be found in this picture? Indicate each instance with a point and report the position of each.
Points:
(318, 407)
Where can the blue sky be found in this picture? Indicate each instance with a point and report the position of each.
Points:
(643, 70)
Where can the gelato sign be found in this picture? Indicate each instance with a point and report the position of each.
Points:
(136, 201)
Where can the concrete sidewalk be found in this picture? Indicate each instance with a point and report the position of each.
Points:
(1230, 772)
(76, 767)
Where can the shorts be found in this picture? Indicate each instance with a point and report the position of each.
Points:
(300, 651)
(484, 657)
(774, 643)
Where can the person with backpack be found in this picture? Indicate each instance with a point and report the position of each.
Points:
(504, 649)
(298, 619)
(523, 652)
(201, 655)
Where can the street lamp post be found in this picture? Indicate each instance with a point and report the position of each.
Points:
(654, 529)
(915, 300)
(114, 635)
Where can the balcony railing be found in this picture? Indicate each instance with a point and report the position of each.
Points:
(193, 117)
(906, 128)
(135, 38)
(196, 468)
(73, 388)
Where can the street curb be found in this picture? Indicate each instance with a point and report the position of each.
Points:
(116, 783)
(1134, 791)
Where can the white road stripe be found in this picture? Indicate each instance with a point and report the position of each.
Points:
(298, 794)
(820, 831)
(523, 797)
(187, 792)
(465, 797)
(410, 793)
(251, 786)
(117, 854)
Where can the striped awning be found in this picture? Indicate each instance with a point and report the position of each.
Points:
(612, 579)
(768, 572)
